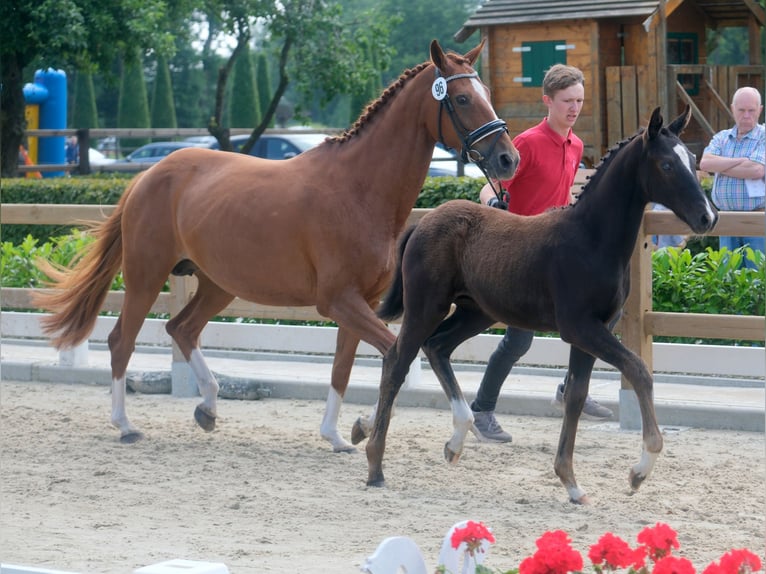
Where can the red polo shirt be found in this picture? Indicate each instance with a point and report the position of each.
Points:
(546, 172)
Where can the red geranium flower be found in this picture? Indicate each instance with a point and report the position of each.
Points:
(554, 555)
(735, 562)
(658, 540)
(673, 565)
(613, 552)
(472, 534)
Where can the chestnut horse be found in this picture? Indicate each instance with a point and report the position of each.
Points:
(318, 229)
(565, 270)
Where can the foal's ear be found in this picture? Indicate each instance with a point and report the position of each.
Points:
(655, 124)
(474, 54)
(679, 124)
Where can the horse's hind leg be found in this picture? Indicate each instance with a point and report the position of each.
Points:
(461, 325)
(185, 328)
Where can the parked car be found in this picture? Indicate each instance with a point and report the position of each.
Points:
(98, 159)
(444, 163)
(154, 152)
(277, 146)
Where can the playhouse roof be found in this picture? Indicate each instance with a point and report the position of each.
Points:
(503, 12)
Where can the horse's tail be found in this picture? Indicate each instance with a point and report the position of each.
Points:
(77, 294)
(392, 306)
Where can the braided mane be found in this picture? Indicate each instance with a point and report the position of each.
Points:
(379, 104)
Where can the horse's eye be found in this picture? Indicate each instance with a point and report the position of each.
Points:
(666, 166)
(462, 100)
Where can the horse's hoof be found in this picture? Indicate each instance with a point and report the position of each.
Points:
(345, 448)
(204, 419)
(450, 455)
(132, 437)
(357, 432)
(636, 479)
(583, 500)
(377, 483)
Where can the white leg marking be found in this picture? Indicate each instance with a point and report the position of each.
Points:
(208, 386)
(119, 414)
(646, 464)
(329, 427)
(462, 421)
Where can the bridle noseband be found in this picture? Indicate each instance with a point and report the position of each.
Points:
(468, 138)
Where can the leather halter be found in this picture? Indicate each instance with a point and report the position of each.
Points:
(468, 138)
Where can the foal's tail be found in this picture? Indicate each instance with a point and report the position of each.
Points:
(392, 306)
(78, 293)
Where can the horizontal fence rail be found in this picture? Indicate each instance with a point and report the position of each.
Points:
(637, 326)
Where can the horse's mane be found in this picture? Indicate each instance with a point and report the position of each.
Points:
(378, 104)
(606, 159)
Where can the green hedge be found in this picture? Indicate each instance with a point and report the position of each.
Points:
(89, 190)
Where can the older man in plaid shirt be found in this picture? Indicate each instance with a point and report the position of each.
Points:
(737, 157)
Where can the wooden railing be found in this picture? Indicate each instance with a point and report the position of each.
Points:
(637, 327)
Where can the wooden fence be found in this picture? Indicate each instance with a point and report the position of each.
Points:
(637, 327)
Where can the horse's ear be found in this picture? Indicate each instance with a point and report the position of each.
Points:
(679, 124)
(655, 124)
(474, 54)
(437, 54)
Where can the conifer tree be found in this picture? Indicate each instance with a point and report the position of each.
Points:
(243, 102)
(133, 108)
(263, 84)
(84, 113)
(163, 107)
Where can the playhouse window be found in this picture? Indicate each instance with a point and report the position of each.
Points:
(537, 57)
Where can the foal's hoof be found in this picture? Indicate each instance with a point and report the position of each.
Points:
(450, 455)
(204, 419)
(636, 479)
(357, 432)
(132, 437)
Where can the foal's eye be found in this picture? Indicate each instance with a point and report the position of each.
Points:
(462, 100)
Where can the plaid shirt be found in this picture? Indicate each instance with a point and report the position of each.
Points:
(729, 193)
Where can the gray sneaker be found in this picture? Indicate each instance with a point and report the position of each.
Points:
(487, 429)
(591, 409)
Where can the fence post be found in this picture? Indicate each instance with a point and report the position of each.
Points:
(632, 325)
(183, 383)
(83, 146)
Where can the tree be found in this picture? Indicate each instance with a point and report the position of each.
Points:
(243, 101)
(315, 49)
(84, 112)
(262, 83)
(163, 108)
(74, 33)
(133, 109)
(419, 23)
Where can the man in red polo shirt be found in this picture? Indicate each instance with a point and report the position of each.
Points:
(550, 155)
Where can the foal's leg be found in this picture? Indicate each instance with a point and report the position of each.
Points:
(185, 328)
(575, 393)
(396, 364)
(605, 346)
(461, 325)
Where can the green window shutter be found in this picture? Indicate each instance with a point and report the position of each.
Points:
(537, 57)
